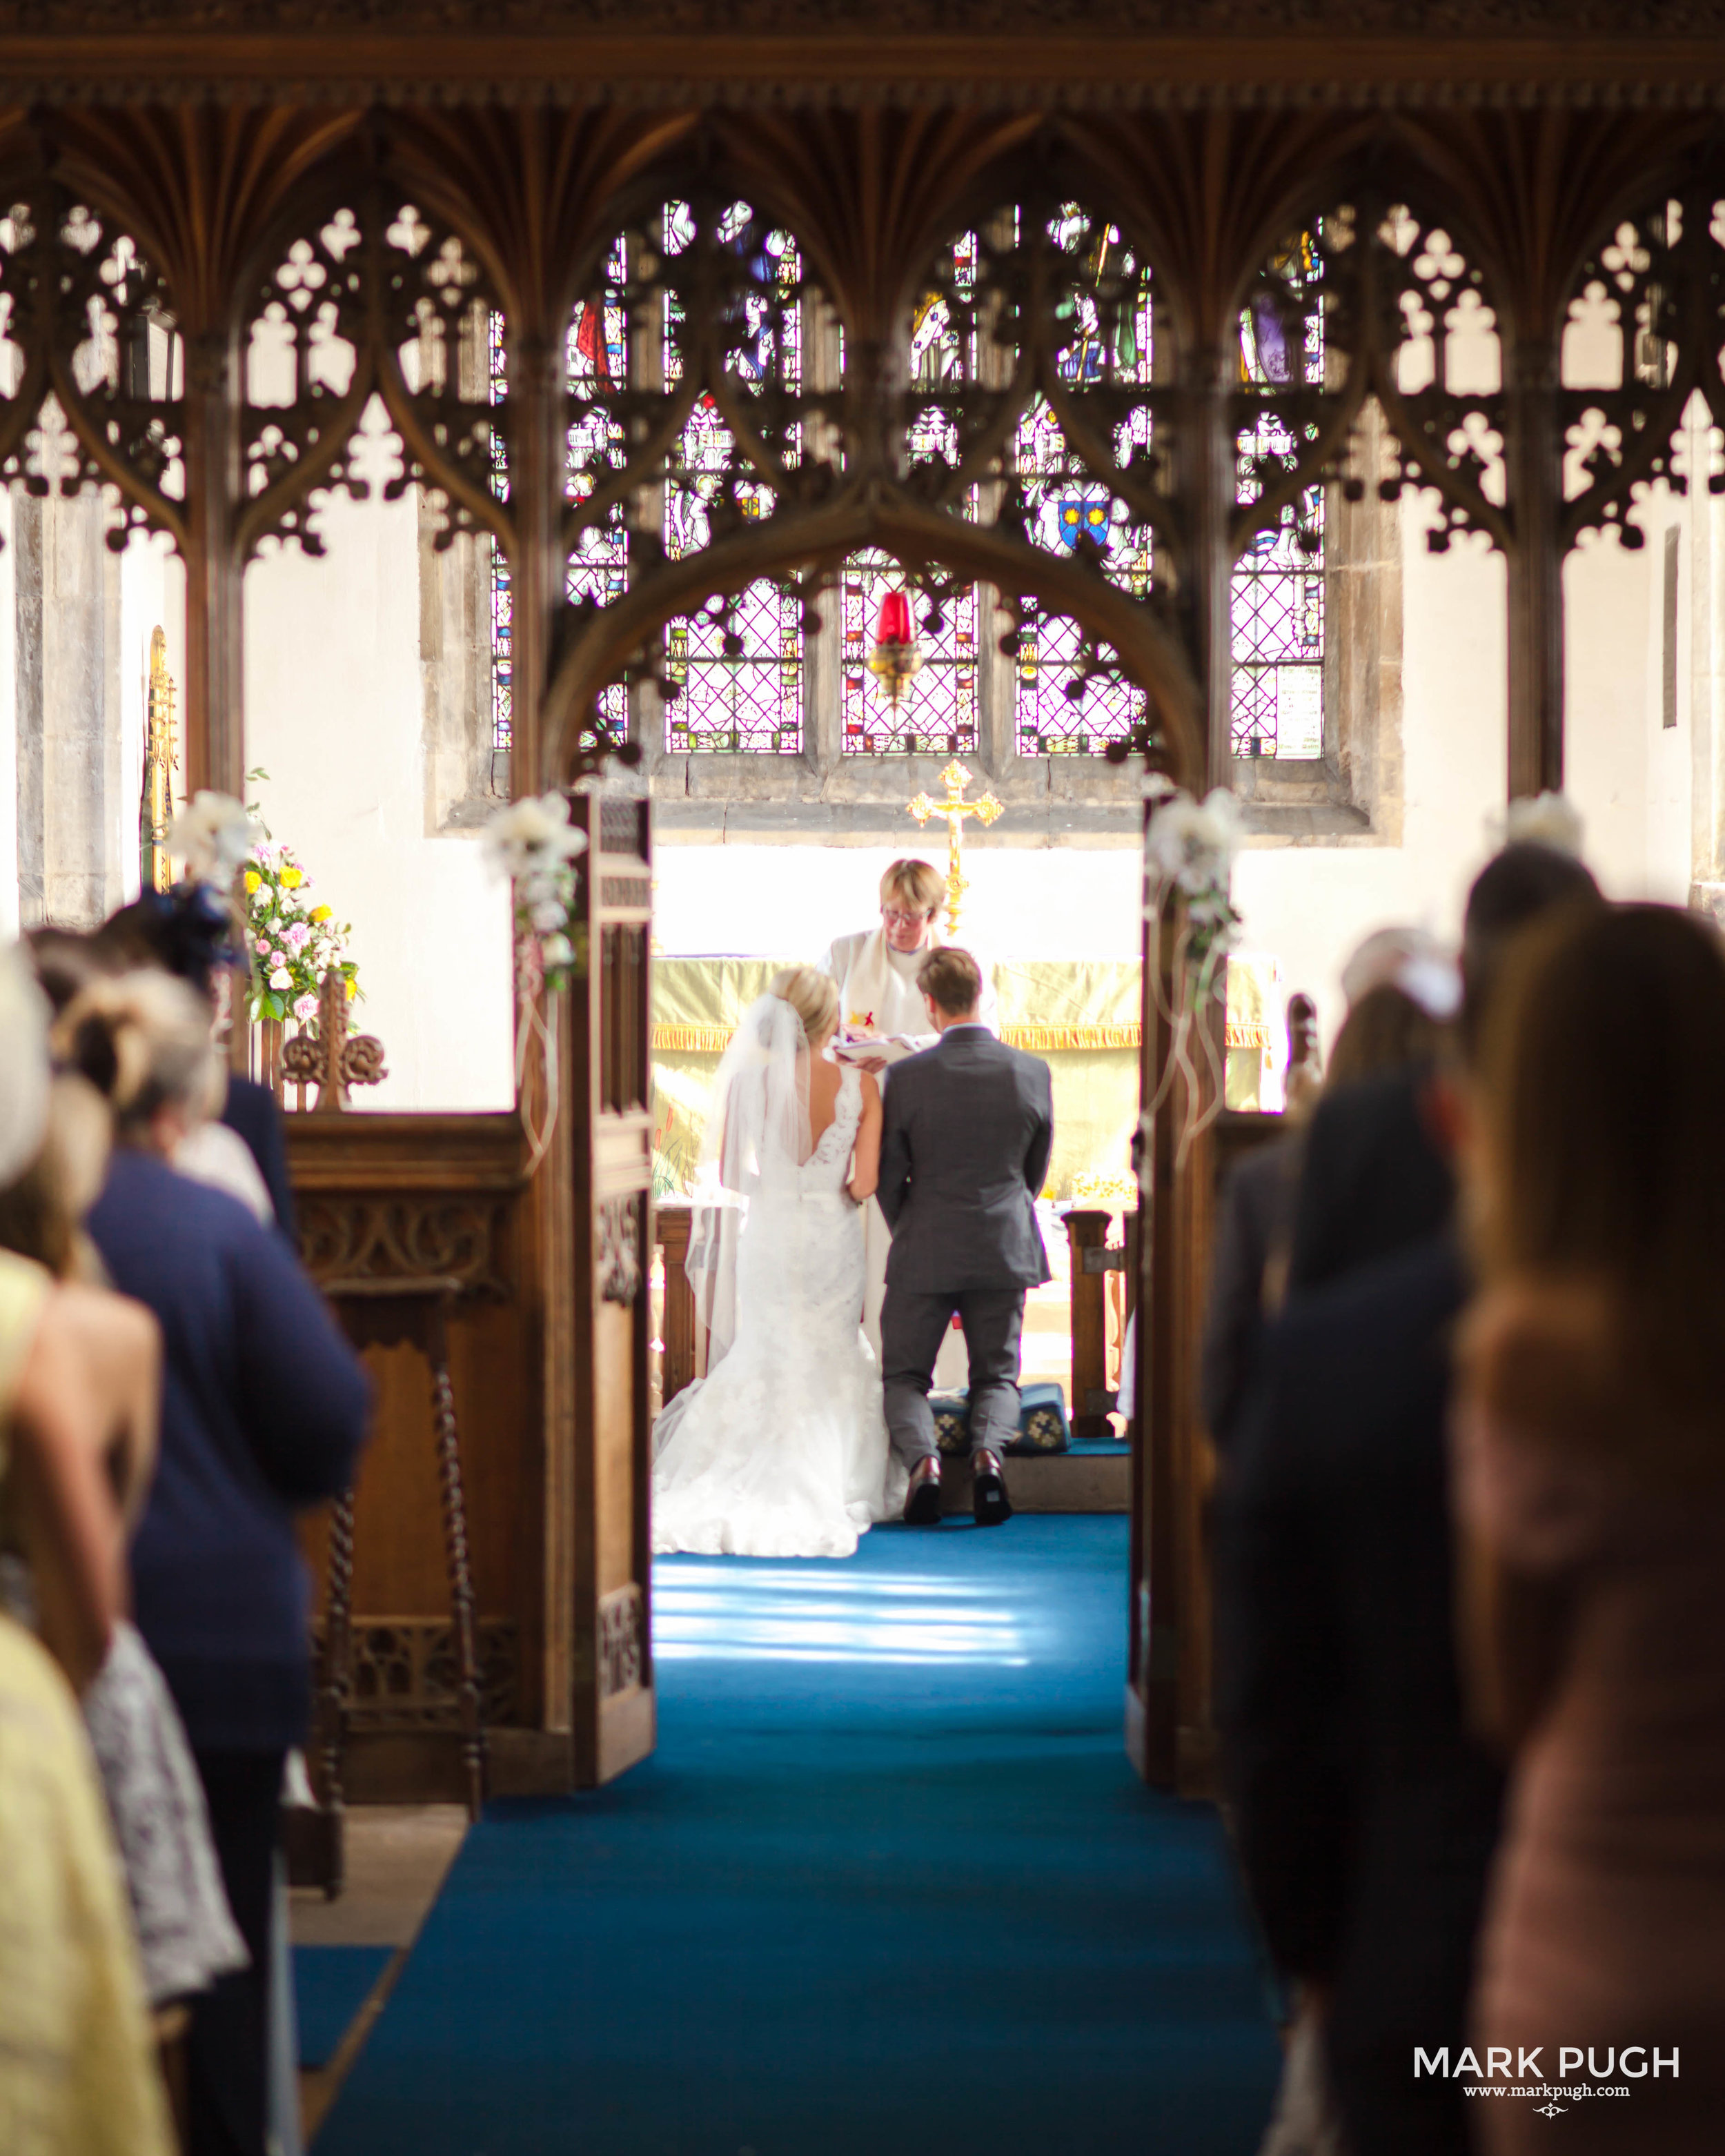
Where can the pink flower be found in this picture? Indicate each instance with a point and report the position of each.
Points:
(298, 937)
(306, 1007)
(263, 944)
(278, 957)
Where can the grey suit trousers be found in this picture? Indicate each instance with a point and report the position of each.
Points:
(913, 1322)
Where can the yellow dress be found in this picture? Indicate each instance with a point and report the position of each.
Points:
(78, 2069)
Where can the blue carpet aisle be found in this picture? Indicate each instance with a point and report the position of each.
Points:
(888, 1888)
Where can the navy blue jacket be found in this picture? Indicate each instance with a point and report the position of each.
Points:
(264, 1411)
(250, 1112)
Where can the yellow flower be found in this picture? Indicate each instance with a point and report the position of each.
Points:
(292, 879)
(320, 913)
(352, 990)
(252, 880)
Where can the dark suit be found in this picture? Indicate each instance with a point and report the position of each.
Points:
(1254, 1221)
(967, 1133)
(1375, 1180)
(1365, 1815)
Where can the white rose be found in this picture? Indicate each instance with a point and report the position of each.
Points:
(281, 978)
(531, 832)
(556, 950)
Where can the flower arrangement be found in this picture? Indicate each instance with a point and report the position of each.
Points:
(1189, 849)
(533, 843)
(293, 940)
(1190, 846)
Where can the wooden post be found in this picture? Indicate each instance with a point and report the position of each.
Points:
(1535, 571)
(1091, 1262)
(215, 583)
(677, 1361)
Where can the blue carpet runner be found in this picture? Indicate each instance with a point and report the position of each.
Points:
(888, 1887)
(331, 1984)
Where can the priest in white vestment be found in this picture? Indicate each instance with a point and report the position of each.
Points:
(878, 999)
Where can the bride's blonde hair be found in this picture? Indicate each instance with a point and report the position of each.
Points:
(814, 998)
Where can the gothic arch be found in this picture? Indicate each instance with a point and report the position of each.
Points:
(1149, 655)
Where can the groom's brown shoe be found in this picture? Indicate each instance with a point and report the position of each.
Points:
(922, 1500)
(989, 1500)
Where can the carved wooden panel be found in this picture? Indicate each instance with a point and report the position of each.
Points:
(619, 1250)
(404, 1674)
(622, 1641)
(357, 1237)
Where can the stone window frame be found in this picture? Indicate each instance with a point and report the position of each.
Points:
(1351, 792)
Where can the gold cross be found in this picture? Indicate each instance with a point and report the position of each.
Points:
(955, 809)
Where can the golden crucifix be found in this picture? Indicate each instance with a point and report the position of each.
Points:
(955, 809)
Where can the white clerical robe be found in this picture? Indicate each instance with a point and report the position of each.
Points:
(878, 994)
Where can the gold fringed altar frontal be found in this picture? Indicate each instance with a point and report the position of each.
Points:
(1038, 1039)
(1048, 1006)
(1083, 1014)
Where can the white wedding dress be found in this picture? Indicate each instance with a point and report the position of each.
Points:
(780, 1450)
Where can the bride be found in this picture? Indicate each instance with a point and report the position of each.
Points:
(781, 1450)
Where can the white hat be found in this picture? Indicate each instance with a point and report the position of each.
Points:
(23, 1064)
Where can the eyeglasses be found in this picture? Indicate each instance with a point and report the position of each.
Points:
(902, 920)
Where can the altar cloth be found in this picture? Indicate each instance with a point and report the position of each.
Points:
(1084, 1015)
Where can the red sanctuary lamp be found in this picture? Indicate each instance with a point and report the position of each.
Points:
(896, 656)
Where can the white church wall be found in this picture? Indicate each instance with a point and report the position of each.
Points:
(769, 900)
(334, 715)
(1309, 905)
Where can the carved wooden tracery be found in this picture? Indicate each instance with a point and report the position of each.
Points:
(204, 302)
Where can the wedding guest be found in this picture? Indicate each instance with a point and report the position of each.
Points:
(1591, 1474)
(1364, 1809)
(264, 1408)
(77, 2068)
(191, 933)
(185, 1930)
(1385, 1030)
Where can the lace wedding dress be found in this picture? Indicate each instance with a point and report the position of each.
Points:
(780, 1450)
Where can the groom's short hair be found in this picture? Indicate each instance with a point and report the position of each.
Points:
(951, 979)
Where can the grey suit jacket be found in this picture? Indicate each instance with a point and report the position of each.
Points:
(967, 1129)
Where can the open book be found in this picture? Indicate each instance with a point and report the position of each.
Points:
(882, 1048)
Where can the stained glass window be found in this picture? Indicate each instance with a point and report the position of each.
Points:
(737, 678)
(502, 612)
(1106, 318)
(597, 364)
(1278, 607)
(936, 713)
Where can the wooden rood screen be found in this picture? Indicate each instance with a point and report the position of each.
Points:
(1185, 265)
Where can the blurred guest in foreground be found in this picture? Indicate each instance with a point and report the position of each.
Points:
(77, 2074)
(1388, 1028)
(264, 1411)
(1365, 1812)
(1591, 1478)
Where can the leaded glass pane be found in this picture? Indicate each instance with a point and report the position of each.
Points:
(736, 683)
(1278, 604)
(1106, 317)
(502, 603)
(597, 364)
(936, 715)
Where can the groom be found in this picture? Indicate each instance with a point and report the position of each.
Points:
(969, 1125)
